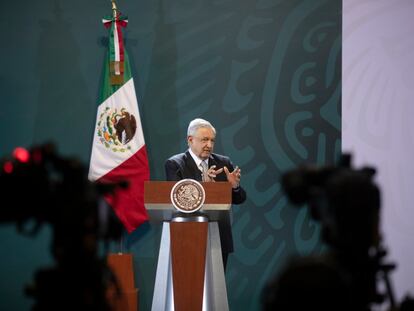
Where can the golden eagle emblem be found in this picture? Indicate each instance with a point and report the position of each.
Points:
(187, 195)
(116, 129)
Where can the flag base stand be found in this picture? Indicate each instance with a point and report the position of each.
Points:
(125, 296)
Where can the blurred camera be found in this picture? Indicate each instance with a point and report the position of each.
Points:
(346, 203)
(41, 187)
(344, 200)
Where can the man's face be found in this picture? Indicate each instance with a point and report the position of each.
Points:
(202, 143)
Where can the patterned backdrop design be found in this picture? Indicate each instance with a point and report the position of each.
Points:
(266, 73)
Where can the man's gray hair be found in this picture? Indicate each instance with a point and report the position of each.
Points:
(198, 123)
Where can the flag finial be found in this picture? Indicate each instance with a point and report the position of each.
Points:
(114, 8)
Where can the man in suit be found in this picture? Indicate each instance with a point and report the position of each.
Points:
(201, 138)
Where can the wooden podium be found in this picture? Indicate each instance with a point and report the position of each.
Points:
(190, 273)
(123, 297)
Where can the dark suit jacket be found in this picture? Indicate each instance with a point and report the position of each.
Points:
(182, 166)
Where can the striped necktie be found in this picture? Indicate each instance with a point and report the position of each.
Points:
(204, 169)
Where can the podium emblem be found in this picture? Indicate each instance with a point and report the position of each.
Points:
(188, 195)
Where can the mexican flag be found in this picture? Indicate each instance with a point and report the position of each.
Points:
(118, 150)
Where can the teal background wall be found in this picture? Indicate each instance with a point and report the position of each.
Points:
(266, 73)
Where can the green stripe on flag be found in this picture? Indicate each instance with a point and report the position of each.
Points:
(107, 88)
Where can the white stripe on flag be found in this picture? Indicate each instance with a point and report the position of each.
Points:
(116, 46)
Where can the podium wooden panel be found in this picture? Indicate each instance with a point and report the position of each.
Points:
(125, 296)
(188, 238)
(190, 273)
(158, 192)
(158, 201)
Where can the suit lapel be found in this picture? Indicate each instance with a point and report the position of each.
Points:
(192, 171)
(212, 161)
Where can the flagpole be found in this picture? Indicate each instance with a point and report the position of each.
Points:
(114, 15)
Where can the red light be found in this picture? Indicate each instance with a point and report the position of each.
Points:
(21, 154)
(8, 167)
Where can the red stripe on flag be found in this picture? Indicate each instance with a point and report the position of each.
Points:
(128, 204)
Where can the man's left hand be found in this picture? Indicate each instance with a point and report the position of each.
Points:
(233, 177)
